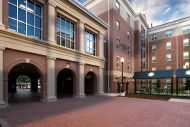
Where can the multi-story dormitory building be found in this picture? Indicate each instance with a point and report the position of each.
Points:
(126, 37)
(163, 47)
(57, 44)
(168, 48)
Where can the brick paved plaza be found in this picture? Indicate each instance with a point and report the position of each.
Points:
(98, 111)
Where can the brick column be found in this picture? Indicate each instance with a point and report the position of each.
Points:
(80, 82)
(81, 36)
(101, 45)
(2, 103)
(51, 22)
(1, 14)
(100, 87)
(51, 82)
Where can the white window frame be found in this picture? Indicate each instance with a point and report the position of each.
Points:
(117, 25)
(168, 57)
(154, 48)
(153, 68)
(117, 5)
(154, 37)
(118, 62)
(168, 45)
(185, 42)
(154, 59)
(168, 67)
(168, 33)
(186, 55)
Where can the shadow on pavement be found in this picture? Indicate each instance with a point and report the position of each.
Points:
(20, 114)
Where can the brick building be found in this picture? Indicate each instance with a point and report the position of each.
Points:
(125, 38)
(168, 48)
(57, 44)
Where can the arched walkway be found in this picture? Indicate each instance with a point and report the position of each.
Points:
(24, 83)
(90, 83)
(65, 83)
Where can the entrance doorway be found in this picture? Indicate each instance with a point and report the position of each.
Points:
(90, 83)
(65, 83)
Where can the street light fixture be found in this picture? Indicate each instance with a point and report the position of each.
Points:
(186, 65)
(122, 61)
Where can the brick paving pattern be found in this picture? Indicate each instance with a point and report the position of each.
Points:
(98, 111)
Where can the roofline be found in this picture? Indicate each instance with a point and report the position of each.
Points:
(130, 6)
(125, 2)
(143, 19)
(170, 23)
(86, 2)
(77, 4)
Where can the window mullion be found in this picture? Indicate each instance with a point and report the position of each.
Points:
(17, 16)
(26, 17)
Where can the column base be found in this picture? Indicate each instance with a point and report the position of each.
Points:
(80, 96)
(3, 104)
(50, 99)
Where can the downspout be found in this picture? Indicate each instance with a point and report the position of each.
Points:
(108, 47)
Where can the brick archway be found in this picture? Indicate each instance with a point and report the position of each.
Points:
(90, 83)
(66, 82)
(39, 69)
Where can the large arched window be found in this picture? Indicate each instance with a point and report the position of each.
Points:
(24, 16)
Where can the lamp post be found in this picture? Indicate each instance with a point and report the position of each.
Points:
(122, 61)
(187, 80)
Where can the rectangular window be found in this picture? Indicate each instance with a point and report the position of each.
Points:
(186, 29)
(168, 57)
(128, 18)
(117, 25)
(154, 59)
(153, 48)
(24, 16)
(153, 68)
(168, 81)
(168, 33)
(90, 43)
(128, 34)
(65, 32)
(117, 4)
(129, 67)
(154, 36)
(118, 44)
(168, 45)
(186, 42)
(186, 55)
(118, 62)
(168, 67)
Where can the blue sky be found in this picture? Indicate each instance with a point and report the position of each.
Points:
(161, 11)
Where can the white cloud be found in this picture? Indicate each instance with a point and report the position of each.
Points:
(160, 11)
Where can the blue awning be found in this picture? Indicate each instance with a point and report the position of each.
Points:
(153, 74)
(183, 73)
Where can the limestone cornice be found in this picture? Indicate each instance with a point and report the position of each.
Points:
(2, 48)
(48, 48)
